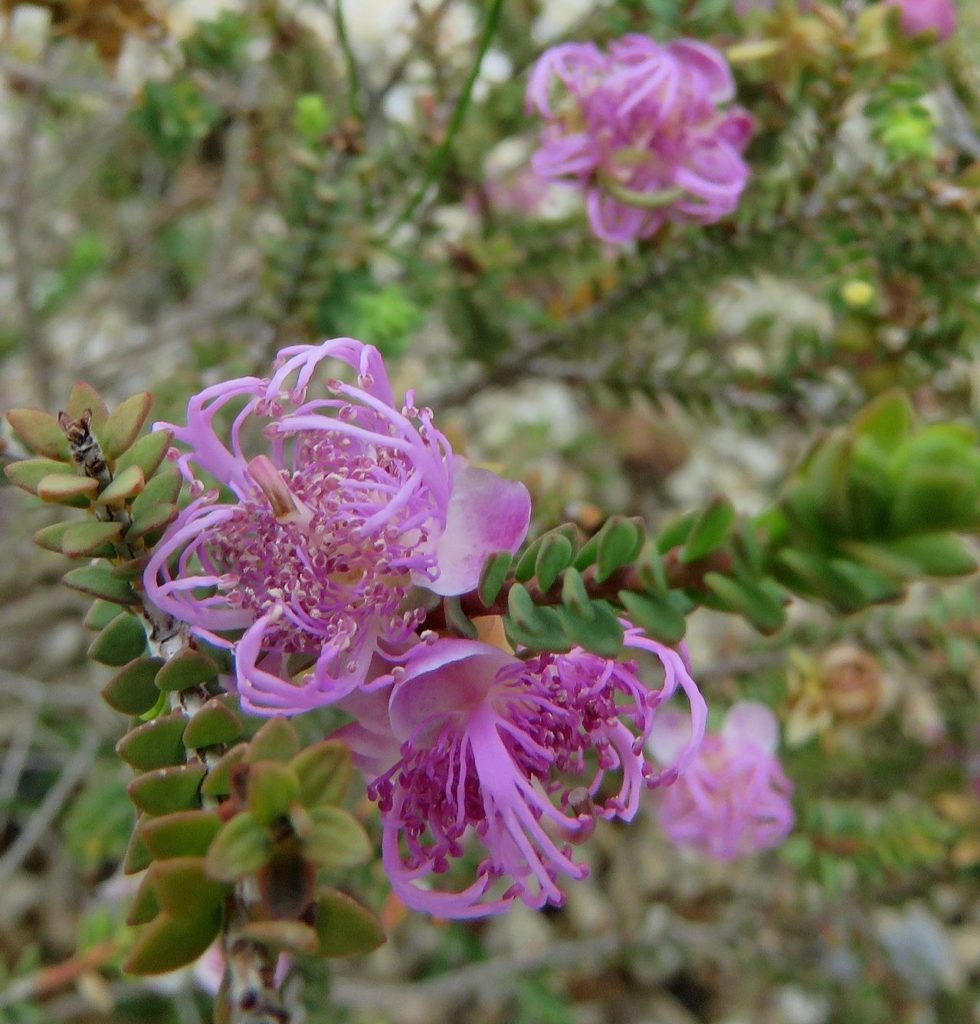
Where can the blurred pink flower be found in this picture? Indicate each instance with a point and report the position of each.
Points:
(641, 132)
(320, 539)
(919, 16)
(744, 7)
(472, 740)
(733, 798)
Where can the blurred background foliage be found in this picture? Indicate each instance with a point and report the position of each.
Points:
(189, 186)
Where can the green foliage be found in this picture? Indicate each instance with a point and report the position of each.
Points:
(174, 116)
(98, 824)
(841, 843)
(218, 45)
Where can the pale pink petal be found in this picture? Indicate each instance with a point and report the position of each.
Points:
(749, 721)
(443, 678)
(670, 733)
(486, 514)
(709, 64)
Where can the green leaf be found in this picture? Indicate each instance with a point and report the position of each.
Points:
(275, 741)
(548, 633)
(28, 473)
(240, 848)
(76, 491)
(137, 855)
(272, 789)
(324, 771)
(162, 488)
(182, 834)
(120, 642)
(601, 633)
(888, 420)
(132, 690)
(524, 569)
(50, 537)
(586, 554)
(709, 531)
(124, 424)
(336, 839)
(456, 619)
(214, 723)
(40, 432)
(186, 670)
(931, 498)
(827, 477)
(676, 531)
(650, 569)
(144, 906)
(100, 581)
(126, 484)
(617, 544)
(658, 619)
(183, 889)
(167, 944)
(344, 927)
(83, 396)
(554, 555)
(526, 615)
(147, 453)
(493, 576)
(100, 614)
(166, 790)
(90, 538)
(156, 744)
(874, 587)
(934, 554)
(765, 613)
(218, 782)
(151, 519)
(574, 595)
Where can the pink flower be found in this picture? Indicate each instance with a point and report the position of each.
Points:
(320, 540)
(476, 742)
(733, 798)
(745, 7)
(640, 132)
(920, 16)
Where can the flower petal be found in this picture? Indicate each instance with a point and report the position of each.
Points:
(749, 721)
(443, 678)
(486, 514)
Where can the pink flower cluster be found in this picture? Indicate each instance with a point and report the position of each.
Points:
(308, 561)
(920, 16)
(640, 130)
(733, 798)
(470, 740)
(314, 546)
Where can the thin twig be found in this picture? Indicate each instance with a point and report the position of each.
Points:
(437, 163)
(353, 75)
(49, 979)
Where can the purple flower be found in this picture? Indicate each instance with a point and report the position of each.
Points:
(310, 555)
(640, 132)
(733, 798)
(476, 742)
(920, 16)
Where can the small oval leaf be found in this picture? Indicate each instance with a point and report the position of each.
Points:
(120, 642)
(124, 424)
(132, 690)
